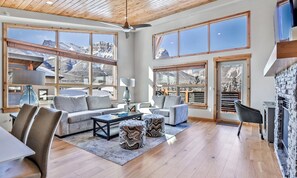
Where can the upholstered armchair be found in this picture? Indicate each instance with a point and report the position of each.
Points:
(247, 114)
(171, 107)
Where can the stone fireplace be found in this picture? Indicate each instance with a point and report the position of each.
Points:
(285, 133)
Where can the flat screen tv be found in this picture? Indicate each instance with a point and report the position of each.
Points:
(285, 18)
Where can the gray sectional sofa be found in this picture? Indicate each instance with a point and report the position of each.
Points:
(171, 107)
(77, 112)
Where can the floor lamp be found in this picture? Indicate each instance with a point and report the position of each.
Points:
(28, 78)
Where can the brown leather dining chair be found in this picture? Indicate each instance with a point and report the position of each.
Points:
(39, 140)
(23, 122)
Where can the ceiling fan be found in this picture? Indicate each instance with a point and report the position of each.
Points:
(127, 27)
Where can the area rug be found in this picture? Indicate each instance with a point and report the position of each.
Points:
(110, 150)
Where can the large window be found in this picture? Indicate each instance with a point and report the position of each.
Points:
(285, 20)
(188, 81)
(194, 41)
(166, 45)
(228, 33)
(80, 63)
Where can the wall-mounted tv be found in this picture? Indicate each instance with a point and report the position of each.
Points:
(293, 4)
(284, 19)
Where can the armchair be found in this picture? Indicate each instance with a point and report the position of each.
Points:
(247, 114)
(171, 107)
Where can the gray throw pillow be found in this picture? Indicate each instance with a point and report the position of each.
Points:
(71, 104)
(98, 102)
(158, 101)
(171, 101)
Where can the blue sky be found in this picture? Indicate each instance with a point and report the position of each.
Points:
(224, 35)
(285, 21)
(38, 36)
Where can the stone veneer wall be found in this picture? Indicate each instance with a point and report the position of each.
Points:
(286, 85)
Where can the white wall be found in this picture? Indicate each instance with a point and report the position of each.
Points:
(125, 46)
(262, 42)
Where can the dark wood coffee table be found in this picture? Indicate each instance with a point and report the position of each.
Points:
(110, 122)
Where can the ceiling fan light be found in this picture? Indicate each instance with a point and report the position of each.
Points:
(126, 29)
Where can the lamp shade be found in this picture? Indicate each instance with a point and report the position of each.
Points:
(126, 82)
(28, 77)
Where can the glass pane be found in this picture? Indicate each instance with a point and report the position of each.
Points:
(73, 71)
(228, 34)
(40, 37)
(231, 81)
(74, 91)
(192, 76)
(166, 78)
(103, 45)
(192, 94)
(165, 90)
(77, 42)
(194, 40)
(22, 59)
(45, 95)
(105, 91)
(104, 74)
(285, 21)
(166, 45)
(14, 95)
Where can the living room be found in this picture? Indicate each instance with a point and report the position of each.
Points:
(195, 81)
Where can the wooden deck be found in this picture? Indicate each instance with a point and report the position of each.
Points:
(203, 150)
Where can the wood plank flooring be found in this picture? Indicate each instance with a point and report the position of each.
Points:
(203, 150)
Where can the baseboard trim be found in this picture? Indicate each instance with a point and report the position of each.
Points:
(201, 119)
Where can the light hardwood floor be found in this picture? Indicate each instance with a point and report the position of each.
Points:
(203, 150)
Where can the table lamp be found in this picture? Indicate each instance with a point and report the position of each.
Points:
(28, 78)
(126, 82)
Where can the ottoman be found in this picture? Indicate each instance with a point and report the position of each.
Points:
(132, 134)
(155, 125)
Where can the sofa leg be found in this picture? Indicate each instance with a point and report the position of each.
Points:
(239, 128)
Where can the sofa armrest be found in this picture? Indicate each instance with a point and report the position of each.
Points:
(178, 114)
(63, 127)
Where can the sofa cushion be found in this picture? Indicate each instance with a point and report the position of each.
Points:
(82, 116)
(70, 104)
(98, 102)
(171, 101)
(158, 101)
(147, 110)
(112, 110)
(163, 112)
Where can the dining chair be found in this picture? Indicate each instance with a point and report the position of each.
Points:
(247, 114)
(23, 122)
(39, 140)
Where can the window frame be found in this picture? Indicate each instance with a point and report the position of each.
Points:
(59, 53)
(177, 68)
(207, 23)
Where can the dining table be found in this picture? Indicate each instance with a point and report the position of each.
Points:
(11, 148)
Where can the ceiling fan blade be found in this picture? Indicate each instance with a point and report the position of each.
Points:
(112, 24)
(141, 26)
(127, 35)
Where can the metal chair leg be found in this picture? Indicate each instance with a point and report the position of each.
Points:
(238, 133)
(260, 130)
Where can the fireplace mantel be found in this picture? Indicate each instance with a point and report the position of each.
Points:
(284, 55)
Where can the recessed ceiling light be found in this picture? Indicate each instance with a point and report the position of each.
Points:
(49, 2)
(219, 33)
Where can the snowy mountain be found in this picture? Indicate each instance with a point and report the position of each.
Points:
(71, 69)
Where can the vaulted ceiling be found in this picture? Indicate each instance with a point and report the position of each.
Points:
(113, 11)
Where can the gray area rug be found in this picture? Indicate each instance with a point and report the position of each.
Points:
(111, 150)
